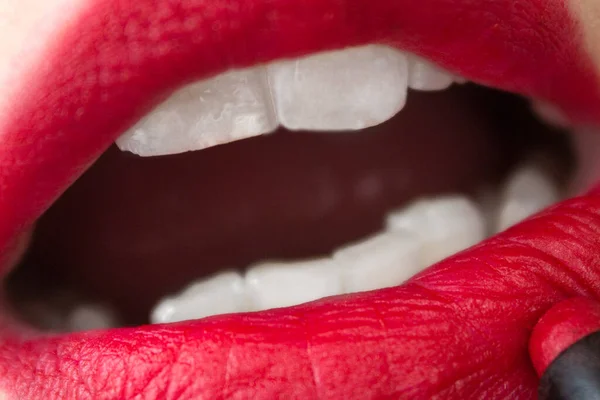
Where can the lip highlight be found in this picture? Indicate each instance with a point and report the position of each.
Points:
(459, 329)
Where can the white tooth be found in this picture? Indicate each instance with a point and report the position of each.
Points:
(282, 284)
(341, 90)
(529, 190)
(228, 107)
(221, 294)
(425, 76)
(384, 260)
(444, 225)
(87, 317)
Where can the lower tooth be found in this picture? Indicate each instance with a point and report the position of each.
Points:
(220, 294)
(340, 90)
(443, 225)
(529, 190)
(90, 317)
(384, 260)
(282, 284)
(231, 106)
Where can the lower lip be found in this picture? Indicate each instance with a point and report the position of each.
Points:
(477, 306)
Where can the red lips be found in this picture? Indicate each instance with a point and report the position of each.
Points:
(459, 330)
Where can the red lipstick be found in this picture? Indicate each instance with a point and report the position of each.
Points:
(459, 329)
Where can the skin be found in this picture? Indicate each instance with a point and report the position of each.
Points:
(588, 13)
(478, 306)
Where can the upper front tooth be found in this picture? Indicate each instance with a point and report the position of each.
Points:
(220, 294)
(425, 76)
(384, 260)
(529, 190)
(444, 225)
(231, 106)
(340, 90)
(282, 284)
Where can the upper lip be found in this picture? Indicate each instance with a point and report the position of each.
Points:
(459, 329)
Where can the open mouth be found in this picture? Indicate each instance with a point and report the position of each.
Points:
(362, 165)
(290, 217)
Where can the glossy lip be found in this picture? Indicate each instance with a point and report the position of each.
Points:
(461, 328)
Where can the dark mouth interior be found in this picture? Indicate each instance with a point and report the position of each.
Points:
(133, 229)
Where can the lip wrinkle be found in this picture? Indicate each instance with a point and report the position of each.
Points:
(115, 59)
(458, 330)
